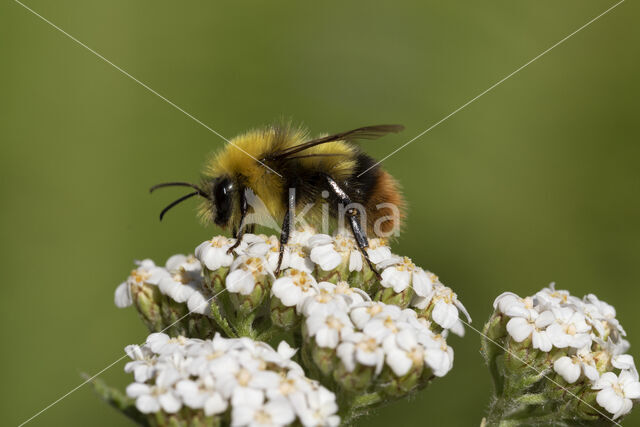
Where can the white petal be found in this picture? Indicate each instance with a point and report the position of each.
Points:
(285, 350)
(623, 361)
(393, 278)
(609, 400)
(215, 404)
(355, 261)
(519, 329)
(122, 296)
(399, 362)
(147, 404)
(606, 380)
(174, 262)
(567, 369)
(444, 314)
(170, 403)
(541, 341)
(197, 303)
(632, 390)
(422, 283)
(136, 389)
(505, 300)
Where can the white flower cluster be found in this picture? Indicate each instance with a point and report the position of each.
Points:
(367, 333)
(587, 335)
(249, 380)
(180, 279)
(257, 256)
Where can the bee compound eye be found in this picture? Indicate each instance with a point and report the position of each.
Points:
(222, 194)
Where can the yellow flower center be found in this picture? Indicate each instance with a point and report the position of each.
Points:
(369, 345)
(390, 324)
(344, 245)
(140, 276)
(255, 265)
(416, 355)
(405, 265)
(262, 417)
(243, 377)
(287, 386)
(219, 241)
(374, 309)
(334, 322)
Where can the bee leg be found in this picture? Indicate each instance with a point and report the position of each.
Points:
(354, 222)
(284, 238)
(361, 238)
(286, 228)
(241, 228)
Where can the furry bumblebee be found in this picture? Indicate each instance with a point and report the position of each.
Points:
(287, 170)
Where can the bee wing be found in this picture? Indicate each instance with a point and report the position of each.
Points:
(367, 132)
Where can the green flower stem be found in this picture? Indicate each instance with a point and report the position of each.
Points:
(244, 326)
(118, 400)
(221, 321)
(359, 405)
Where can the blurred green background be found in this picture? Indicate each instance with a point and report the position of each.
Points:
(537, 181)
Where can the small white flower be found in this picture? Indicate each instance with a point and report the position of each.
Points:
(213, 253)
(354, 296)
(446, 306)
(183, 279)
(246, 270)
(202, 394)
(151, 399)
(275, 412)
(403, 351)
(616, 392)
(330, 298)
(582, 362)
(146, 273)
(142, 364)
(318, 409)
(268, 247)
(438, 355)
(383, 325)
(378, 250)
(600, 315)
(292, 288)
(400, 273)
(552, 298)
(362, 313)
(514, 306)
(199, 303)
(324, 252)
(533, 325)
(358, 348)
(329, 328)
(301, 235)
(162, 344)
(569, 329)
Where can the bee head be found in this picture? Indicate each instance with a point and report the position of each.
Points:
(223, 194)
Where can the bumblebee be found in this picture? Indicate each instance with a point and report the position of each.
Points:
(288, 171)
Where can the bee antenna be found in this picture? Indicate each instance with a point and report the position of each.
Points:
(175, 202)
(199, 190)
